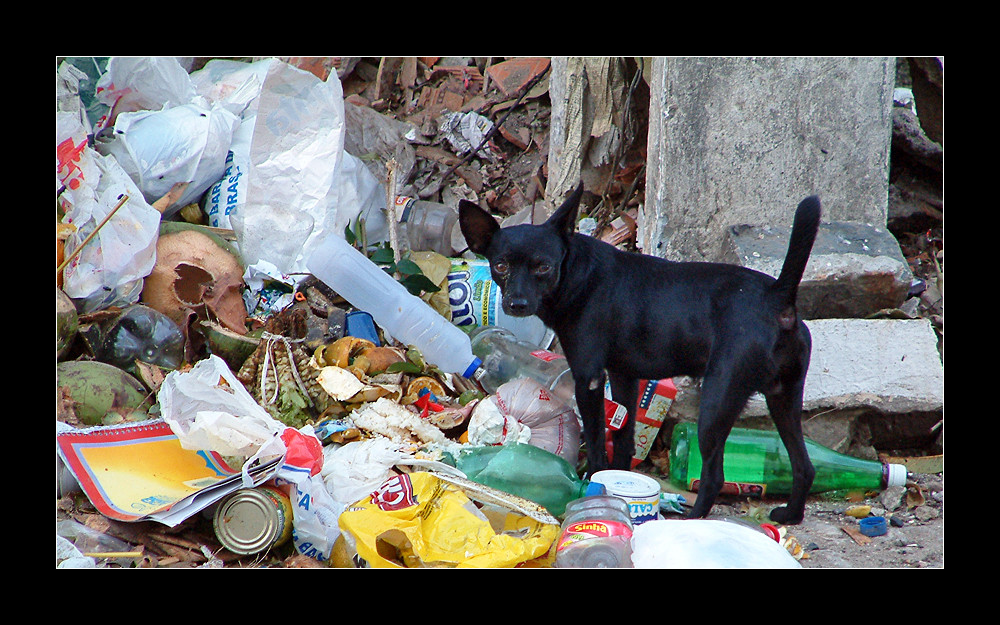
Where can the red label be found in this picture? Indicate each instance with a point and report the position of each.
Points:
(615, 414)
(395, 493)
(547, 356)
(583, 530)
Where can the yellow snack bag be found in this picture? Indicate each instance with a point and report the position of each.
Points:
(417, 520)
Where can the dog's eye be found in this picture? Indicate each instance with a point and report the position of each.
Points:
(543, 269)
(500, 267)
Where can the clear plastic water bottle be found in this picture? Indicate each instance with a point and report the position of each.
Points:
(527, 471)
(404, 316)
(426, 226)
(756, 462)
(505, 358)
(596, 533)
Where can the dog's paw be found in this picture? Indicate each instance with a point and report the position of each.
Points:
(786, 516)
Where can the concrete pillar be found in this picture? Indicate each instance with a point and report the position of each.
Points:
(742, 140)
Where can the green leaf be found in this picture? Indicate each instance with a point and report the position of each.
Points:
(348, 235)
(407, 267)
(405, 367)
(383, 256)
(416, 284)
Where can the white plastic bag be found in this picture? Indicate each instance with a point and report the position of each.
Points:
(143, 83)
(108, 271)
(522, 410)
(187, 143)
(290, 182)
(208, 407)
(706, 544)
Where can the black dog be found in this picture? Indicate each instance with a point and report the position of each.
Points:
(636, 317)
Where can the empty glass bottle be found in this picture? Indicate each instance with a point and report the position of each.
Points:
(756, 462)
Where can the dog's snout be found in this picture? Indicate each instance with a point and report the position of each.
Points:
(518, 306)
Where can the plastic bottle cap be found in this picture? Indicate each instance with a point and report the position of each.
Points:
(476, 363)
(897, 475)
(595, 488)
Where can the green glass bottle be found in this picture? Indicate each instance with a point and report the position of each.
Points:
(755, 462)
(527, 471)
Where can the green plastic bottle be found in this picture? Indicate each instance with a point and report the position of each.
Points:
(755, 462)
(526, 471)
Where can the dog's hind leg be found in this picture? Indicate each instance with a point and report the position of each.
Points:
(786, 410)
(723, 395)
(625, 391)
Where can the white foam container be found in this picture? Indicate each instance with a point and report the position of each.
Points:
(640, 492)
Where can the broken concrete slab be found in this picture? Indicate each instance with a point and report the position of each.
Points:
(859, 366)
(855, 269)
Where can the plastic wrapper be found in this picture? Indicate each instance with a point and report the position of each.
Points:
(418, 520)
(522, 410)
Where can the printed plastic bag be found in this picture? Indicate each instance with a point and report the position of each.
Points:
(109, 270)
(419, 520)
(522, 410)
(289, 182)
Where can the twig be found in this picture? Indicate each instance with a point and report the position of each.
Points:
(390, 207)
(79, 248)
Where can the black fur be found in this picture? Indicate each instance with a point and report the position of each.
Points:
(636, 317)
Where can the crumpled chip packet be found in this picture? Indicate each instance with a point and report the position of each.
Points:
(418, 520)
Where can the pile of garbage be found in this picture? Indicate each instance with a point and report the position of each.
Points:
(218, 405)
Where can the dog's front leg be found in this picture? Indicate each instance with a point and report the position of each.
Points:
(625, 391)
(590, 403)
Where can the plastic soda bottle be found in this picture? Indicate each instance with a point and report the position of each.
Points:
(596, 533)
(406, 317)
(755, 462)
(527, 471)
(504, 358)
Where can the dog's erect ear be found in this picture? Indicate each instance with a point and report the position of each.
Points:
(564, 219)
(477, 225)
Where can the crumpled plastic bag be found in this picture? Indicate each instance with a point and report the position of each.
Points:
(143, 83)
(209, 408)
(289, 182)
(524, 411)
(187, 143)
(109, 270)
(416, 520)
(354, 470)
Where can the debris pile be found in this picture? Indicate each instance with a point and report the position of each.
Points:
(198, 360)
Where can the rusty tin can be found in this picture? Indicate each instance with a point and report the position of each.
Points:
(253, 520)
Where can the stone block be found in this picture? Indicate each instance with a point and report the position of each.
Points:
(855, 269)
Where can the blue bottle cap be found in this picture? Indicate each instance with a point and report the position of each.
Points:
(476, 363)
(595, 488)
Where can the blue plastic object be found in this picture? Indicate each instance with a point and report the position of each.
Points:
(873, 526)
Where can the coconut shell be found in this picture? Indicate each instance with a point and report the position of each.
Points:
(192, 273)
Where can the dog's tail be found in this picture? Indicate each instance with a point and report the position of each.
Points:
(800, 245)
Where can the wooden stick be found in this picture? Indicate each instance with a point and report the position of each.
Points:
(80, 247)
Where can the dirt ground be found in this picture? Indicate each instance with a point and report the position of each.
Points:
(829, 539)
